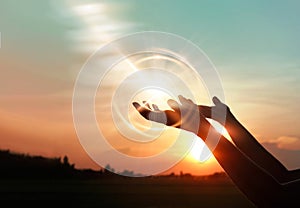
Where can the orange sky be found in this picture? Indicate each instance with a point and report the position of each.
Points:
(52, 139)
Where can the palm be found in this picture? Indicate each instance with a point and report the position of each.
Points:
(168, 117)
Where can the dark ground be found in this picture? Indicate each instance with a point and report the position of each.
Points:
(121, 192)
(36, 181)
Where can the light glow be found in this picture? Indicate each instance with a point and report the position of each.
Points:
(195, 152)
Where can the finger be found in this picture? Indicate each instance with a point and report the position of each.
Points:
(146, 104)
(139, 107)
(189, 100)
(142, 110)
(205, 110)
(174, 105)
(216, 101)
(155, 107)
(136, 105)
(185, 100)
(181, 99)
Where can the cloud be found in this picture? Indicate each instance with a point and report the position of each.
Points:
(289, 158)
(97, 23)
(287, 142)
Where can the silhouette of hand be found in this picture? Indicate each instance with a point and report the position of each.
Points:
(184, 115)
(215, 112)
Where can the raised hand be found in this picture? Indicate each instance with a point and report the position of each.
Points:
(219, 112)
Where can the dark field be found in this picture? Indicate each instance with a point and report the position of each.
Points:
(122, 192)
(35, 181)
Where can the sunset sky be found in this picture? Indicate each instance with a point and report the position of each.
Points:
(254, 46)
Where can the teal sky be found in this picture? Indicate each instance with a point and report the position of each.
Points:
(253, 44)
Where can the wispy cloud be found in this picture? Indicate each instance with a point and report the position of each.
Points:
(97, 23)
(287, 142)
(290, 158)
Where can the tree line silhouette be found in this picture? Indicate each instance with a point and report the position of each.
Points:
(24, 166)
(17, 165)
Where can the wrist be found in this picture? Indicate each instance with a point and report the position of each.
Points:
(205, 129)
(230, 119)
(212, 138)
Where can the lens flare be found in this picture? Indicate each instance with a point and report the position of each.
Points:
(145, 66)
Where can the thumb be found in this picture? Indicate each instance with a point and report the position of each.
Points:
(216, 101)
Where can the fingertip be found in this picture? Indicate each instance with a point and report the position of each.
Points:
(172, 102)
(181, 98)
(155, 107)
(136, 105)
(146, 104)
(216, 100)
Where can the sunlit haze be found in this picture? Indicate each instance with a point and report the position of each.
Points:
(44, 44)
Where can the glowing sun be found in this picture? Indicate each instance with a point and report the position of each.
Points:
(198, 150)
